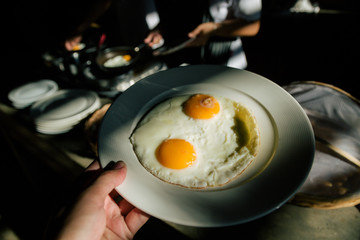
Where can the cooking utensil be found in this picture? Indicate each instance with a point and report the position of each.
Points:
(163, 51)
(109, 53)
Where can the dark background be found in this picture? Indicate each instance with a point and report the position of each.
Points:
(308, 47)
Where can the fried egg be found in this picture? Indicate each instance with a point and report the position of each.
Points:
(196, 141)
(118, 61)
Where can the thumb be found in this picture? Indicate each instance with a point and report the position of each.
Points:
(194, 32)
(108, 180)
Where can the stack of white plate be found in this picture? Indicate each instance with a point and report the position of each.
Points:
(25, 95)
(60, 112)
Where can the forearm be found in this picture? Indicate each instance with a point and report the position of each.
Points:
(236, 28)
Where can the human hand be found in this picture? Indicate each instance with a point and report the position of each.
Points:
(153, 38)
(97, 216)
(72, 42)
(202, 33)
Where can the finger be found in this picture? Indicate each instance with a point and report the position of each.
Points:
(92, 172)
(136, 219)
(77, 39)
(95, 167)
(68, 46)
(149, 38)
(108, 180)
(157, 39)
(191, 35)
(194, 32)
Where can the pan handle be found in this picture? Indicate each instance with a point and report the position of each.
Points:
(140, 47)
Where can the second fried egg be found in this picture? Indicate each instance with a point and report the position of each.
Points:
(197, 141)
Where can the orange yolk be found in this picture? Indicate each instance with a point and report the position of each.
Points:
(76, 48)
(201, 106)
(127, 57)
(176, 153)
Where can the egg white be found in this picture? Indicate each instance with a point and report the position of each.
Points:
(221, 143)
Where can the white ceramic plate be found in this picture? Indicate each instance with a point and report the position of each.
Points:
(281, 166)
(61, 111)
(27, 94)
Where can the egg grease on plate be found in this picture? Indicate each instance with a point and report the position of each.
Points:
(197, 141)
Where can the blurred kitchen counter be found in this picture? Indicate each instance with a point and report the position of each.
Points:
(70, 150)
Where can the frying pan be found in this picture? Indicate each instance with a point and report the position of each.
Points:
(108, 53)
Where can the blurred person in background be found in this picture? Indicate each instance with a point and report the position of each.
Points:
(124, 22)
(215, 25)
(34, 27)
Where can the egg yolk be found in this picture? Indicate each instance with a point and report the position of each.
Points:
(127, 57)
(201, 106)
(76, 47)
(176, 153)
